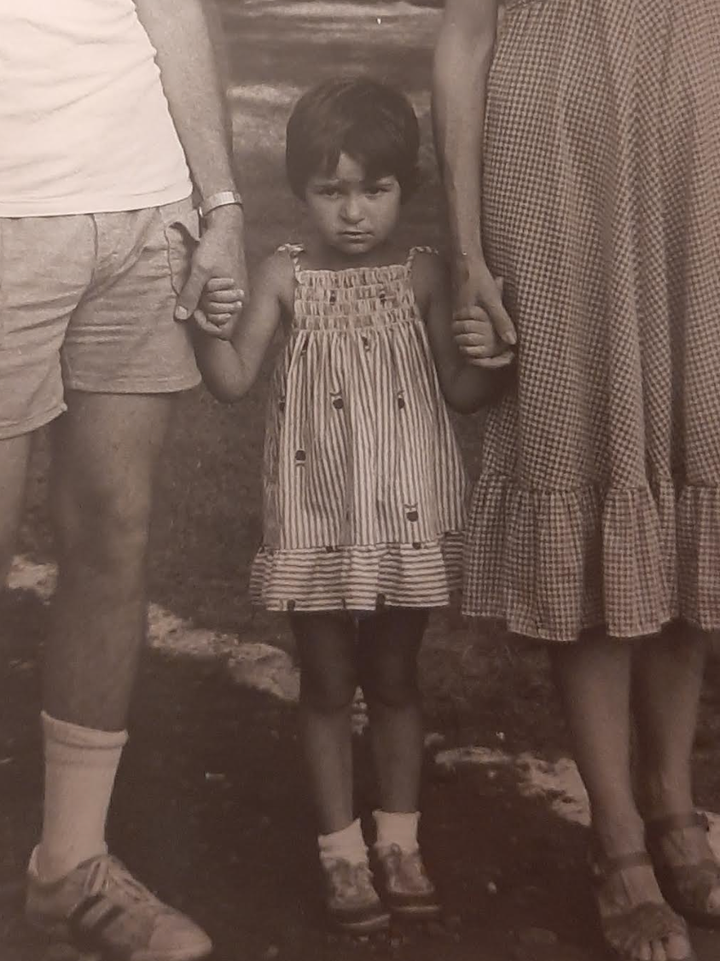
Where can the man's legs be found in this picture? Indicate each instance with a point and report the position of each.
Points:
(106, 448)
(106, 451)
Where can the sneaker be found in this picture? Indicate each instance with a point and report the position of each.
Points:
(404, 884)
(351, 900)
(100, 907)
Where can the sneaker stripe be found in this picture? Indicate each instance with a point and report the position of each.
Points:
(87, 930)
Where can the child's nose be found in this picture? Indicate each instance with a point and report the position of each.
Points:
(352, 208)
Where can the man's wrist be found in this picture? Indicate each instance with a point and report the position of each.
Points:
(231, 215)
(220, 200)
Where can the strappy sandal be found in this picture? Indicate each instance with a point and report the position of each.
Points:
(687, 887)
(627, 930)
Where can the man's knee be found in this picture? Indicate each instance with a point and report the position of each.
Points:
(105, 526)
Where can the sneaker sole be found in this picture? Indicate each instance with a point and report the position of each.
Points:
(416, 912)
(380, 922)
(59, 934)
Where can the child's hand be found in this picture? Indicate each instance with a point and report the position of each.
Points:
(219, 307)
(477, 338)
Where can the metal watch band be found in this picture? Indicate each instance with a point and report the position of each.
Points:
(224, 198)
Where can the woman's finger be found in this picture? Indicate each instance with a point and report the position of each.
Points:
(472, 340)
(504, 327)
(493, 363)
(469, 327)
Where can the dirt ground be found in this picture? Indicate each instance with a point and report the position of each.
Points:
(211, 811)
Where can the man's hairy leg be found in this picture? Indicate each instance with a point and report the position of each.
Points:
(105, 453)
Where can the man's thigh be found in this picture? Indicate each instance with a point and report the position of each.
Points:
(46, 264)
(106, 450)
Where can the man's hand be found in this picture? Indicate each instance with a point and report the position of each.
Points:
(220, 254)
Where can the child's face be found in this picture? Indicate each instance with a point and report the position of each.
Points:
(353, 214)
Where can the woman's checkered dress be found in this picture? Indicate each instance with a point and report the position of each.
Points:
(364, 488)
(598, 502)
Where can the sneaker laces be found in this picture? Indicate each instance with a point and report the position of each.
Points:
(107, 872)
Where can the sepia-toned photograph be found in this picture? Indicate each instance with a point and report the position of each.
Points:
(359, 480)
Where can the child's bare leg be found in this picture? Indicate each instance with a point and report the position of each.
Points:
(388, 649)
(326, 649)
(594, 680)
(389, 645)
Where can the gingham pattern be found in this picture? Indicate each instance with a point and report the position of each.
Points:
(364, 488)
(598, 500)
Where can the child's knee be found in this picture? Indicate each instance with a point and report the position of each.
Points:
(395, 692)
(328, 695)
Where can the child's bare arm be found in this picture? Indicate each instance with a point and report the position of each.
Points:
(465, 387)
(229, 368)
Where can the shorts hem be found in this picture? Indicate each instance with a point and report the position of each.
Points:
(135, 387)
(32, 423)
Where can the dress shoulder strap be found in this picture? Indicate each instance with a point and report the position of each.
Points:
(418, 250)
(293, 251)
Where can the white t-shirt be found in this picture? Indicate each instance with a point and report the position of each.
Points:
(84, 123)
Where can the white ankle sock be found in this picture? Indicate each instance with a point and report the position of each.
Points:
(397, 828)
(345, 845)
(80, 767)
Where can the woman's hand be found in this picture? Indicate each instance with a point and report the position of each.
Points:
(481, 326)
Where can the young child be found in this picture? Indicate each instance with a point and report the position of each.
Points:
(364, 488)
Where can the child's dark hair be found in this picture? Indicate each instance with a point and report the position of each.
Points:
(369, 121)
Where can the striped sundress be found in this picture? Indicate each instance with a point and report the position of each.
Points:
(598, 503)
(364, 486)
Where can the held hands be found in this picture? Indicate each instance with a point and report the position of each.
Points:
(220, 303)
(481, 326)
(217, 270)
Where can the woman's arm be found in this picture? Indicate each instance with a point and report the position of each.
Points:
(466, 387)
(463, 55)
(229, 369)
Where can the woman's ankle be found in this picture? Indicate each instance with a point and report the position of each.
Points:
(617, 837)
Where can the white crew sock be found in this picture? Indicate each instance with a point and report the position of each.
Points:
(80, 768)
(396, 827)
(345, 845)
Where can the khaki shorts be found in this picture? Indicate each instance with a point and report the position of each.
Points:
(86, 303)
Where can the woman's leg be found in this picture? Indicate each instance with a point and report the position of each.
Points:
(388, 648)
(667, 683)
(328, 680)
(667, 680)
(593, 677)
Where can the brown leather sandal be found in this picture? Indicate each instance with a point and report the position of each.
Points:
(627, 930)
(687, 887)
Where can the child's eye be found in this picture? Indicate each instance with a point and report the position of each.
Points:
(328, 192)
